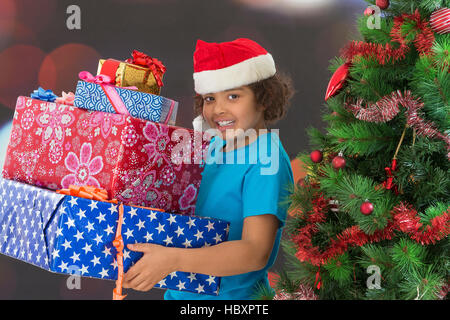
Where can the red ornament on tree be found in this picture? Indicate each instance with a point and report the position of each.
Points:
(382, 4)
(366, 208)
(440, 21)
(316, 156)
(337, 80)
(338, 161)
(301, 183)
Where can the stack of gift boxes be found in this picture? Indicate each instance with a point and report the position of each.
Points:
(115, 135)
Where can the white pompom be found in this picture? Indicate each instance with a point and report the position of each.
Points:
(200, 124)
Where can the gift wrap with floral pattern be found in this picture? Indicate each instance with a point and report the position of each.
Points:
(54, 145)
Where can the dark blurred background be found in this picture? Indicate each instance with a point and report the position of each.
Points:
(38, 49)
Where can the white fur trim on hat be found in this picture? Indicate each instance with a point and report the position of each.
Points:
(240, 74)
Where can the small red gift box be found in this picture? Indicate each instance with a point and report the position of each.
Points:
(138, 162)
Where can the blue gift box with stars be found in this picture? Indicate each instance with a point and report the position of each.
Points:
(67, 234)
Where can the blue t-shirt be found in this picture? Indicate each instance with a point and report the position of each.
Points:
(248, 181)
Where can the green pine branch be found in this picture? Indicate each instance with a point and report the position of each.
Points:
(351, 190)
(362, 138)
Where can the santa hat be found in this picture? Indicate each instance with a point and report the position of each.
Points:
(228, 65)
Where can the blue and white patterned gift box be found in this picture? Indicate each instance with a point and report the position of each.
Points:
(139, 104)
(67, 234)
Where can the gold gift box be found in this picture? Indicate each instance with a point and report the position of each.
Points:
(128, 75)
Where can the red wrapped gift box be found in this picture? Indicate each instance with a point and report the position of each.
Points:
(54, 145)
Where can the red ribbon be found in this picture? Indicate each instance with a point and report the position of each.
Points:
(318, 281)
(89, 192)
(389, 184)
(118, 244)
(153, 64)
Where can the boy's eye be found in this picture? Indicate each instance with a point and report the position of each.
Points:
(233, 96)
(208, 99)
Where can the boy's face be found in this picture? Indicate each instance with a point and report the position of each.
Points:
(237, 105)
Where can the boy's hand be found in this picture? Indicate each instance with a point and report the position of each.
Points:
(154, 265)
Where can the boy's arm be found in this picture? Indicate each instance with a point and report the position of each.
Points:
(224, 259)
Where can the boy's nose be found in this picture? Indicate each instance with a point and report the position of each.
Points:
(219, 108)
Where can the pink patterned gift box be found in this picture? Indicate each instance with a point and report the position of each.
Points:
(138, 162)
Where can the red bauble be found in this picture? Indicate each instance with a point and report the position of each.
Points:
(316, 156)
(338, 162)
(301, 183)
(366, 208)
(337, 80)
(382, 4)
(440, 21)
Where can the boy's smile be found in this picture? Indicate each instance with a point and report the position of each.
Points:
(230, 110)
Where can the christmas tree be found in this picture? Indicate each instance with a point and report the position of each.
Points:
(371, 219)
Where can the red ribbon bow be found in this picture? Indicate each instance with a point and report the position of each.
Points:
(153, 64)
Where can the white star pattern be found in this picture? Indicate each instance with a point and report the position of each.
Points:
(140, 224)
(100, 217)
(179, 231)
(192, 277)
(81, 214)
(160, 228)
(199, 234)
(93, 205)
(90, 226)
(129, 233)
(148, 237)
(210, 225)
(200, 289)
(133, 212)
(79, 235)
(168, 240)
(152, 215)
(211, 280)
(171, 219)
(21, 231)
(180, 285)
(218, 238)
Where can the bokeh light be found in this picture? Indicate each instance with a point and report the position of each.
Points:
(36, 15)
(19, 65)
(7, 20)
(290, 7)
(60, 68)
(24, 34)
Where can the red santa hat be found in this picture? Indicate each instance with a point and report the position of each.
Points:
(228, 65)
